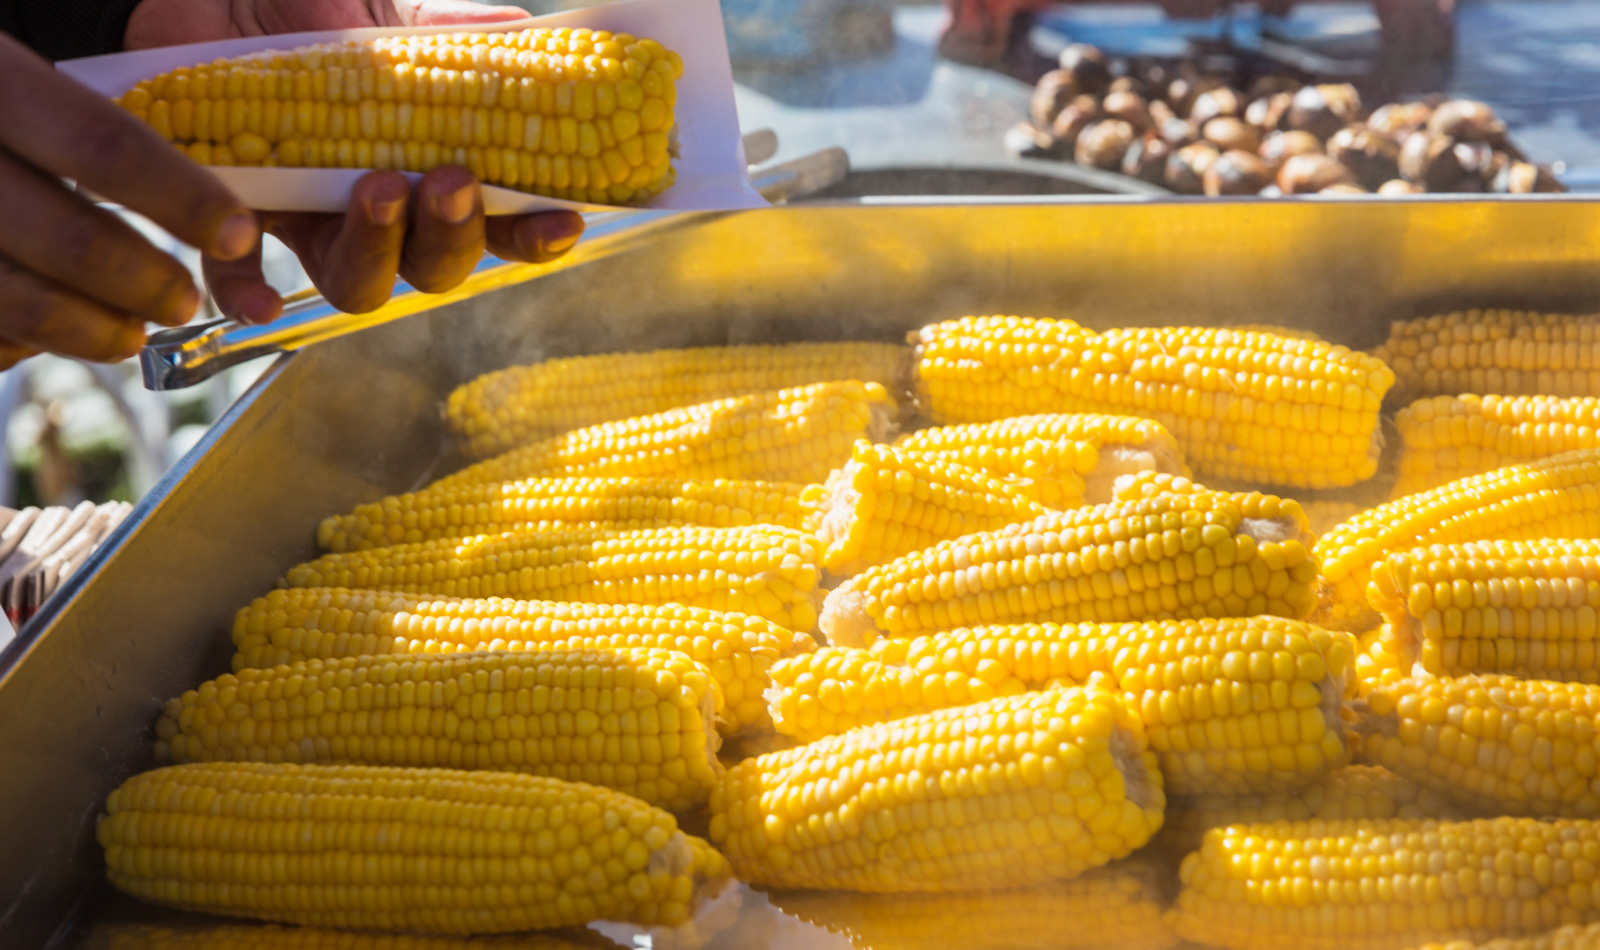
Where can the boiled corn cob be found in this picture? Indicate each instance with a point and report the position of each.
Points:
(767, 571)
(1387, 884)
(1526, 608)
(638, 721)
(1166, 556)
(1015, 791)
(430, 850)
(793, 435)
(1558, 497)
(499, 411)
(1501, 745)
(1376, 663)
(579, 114)
(1243, 406)
(1117, 907)
(621, 504)
(1355, 792)
(1230, 706)
(212, 935)
(1510, 352)
(288, 626)
(1058, 460)
(885, 503)
(1449, 437)
(1570, 937)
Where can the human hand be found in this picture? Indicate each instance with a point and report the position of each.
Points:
(75, 279)
(432, 235)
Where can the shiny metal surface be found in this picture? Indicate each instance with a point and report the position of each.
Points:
(357, 416)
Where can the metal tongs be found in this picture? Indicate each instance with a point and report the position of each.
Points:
(182, 357)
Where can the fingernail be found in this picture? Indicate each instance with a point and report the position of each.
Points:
(385, 213)
(457, 206)
(236, 237)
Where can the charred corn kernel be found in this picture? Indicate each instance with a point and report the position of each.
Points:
(1249, 407)
(1558, 497)
(1117, 907)
(639, 721)
(553, 503)
(290, 626)
(792, 435)
(452, 90)
(211, 935)
(1526, 608)
(1355, 792)
(1511, 352)
(1230, 706)
(1057, 460)
(1449, 437)
(884, 503)
(1499, 744)
(764, 570)
(1015, 791)
(1570, 937)
(1166, 556)
(431, 850)
(499, 411)
(1384, 884)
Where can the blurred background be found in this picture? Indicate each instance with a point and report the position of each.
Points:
(922, 96)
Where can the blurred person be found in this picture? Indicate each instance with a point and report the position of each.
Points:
(77, 280)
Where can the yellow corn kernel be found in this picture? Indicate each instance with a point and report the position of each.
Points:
(1510, 352)
(1449, 437)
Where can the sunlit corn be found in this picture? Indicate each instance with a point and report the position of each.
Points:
(1510, 352)
(1450, 437)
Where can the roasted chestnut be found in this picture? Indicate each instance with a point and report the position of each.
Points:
(1130, 107)
(1279, 147)
(1344, 189)
(1025, 140)
(1178, 132)
(1431, 161)
(1186, 169)
(1236, 173)
(1131, 84)
(1217, 102)
(1309, 174)
(1088, 67)
(1525, 178)
(1103, 144)
(1054, 90)
(1477, 160)
(1324, 110)
(1467, 121)
(1399, 119)
(1184, 90)
(1079, 114)
(1371, 157)
(1270, 113)
(1146, 158)
(1397, 186)
(1264, 86)
(1230, 134)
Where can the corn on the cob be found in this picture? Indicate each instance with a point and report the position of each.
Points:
(1355, 792)
(1166, 556)
(1011, 792)
(767, 571)
(499, 411)
(787, 435)
(213, 935)
(1527, 608)
(1570, 937)
(1449, 437)
(1494, 743)
(1557, 497)
(622, 504)
(638, 721)
(1244, 406)
(1511, 352)
(1234, 705)
(431, 850)
(1058, 460)
(315, 623)
(1117, 907)
(1386, 885)
(1376, 662)
(579, 114)
(885, 503)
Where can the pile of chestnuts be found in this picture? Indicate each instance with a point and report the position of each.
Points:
(1175, 126)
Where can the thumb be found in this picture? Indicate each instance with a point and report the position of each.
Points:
(446, 12)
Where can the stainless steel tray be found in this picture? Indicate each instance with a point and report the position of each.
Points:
(356, 417)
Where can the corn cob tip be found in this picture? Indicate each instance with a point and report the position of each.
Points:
(1121, 462)
(845, 620)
